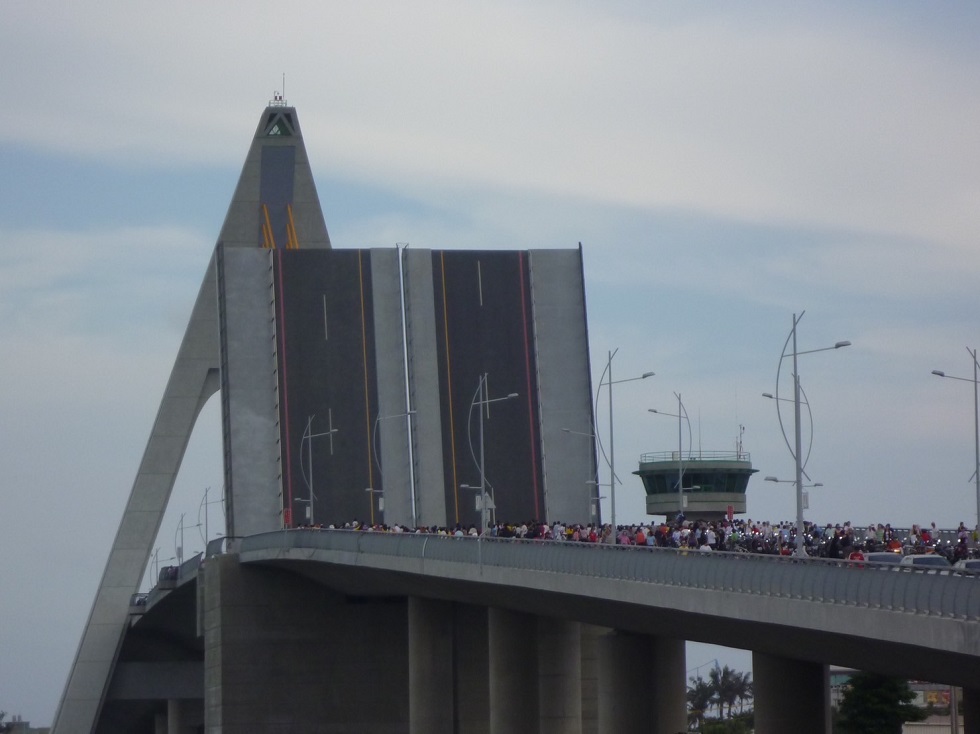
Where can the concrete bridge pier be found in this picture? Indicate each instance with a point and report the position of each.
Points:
(175, 717)
(447, 667)
(535, 674)
(175, 720)
(971, 710)
(431, 650)
(282, 653)
(642, 684)
(472, 661)
(790, 695)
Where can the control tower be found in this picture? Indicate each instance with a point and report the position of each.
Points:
(705, 485)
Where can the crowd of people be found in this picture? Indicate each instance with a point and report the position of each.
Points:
(837, 541)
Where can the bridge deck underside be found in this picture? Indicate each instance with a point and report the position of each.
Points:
(926, 646)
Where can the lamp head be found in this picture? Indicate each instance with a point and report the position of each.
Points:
(771, 479)
(838, 345)
(939, 373)
(645, 375)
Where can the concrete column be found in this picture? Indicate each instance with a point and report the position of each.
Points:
(174, 724)
(971, 710)
(513, 672)
(160, 724)
(790, 695)
(642, 684)
(430, 666)
(282, 653)
(590, 677)
(559, 676)
(472, 657)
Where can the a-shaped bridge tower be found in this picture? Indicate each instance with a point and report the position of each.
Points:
(348, 383)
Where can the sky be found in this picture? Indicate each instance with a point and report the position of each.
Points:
(725, 166)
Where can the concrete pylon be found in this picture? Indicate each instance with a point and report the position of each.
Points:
(535, 674)
(971, 710)
(430, 665)
(559, 676)
(283, 653)
(790, 695)
(275, 205)
(513, 671)
(642, 684)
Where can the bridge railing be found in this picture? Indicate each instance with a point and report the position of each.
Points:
(928, 592)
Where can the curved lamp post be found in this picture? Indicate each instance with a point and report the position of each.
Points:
(480, 399)
(680, 414)
(307, 441)
(594, 481)
(594, 504)
(606, 380)
(976, 421)
(381, 501)
(377, 455)
(800, 545)
(793, 481)
(204, 506)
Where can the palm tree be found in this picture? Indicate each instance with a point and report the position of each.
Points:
(744, 690)
(725, 685)
(700, 696)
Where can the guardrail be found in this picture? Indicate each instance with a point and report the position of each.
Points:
(656, 456)
(926, 592)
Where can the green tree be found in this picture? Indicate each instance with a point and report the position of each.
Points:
(726, 684)
(743, 689)
(700, 696)
(877, 704)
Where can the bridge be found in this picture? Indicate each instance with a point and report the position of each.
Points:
(357, 368)
(481, 634)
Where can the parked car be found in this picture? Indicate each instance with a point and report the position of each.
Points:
(925, 560)
(888, 557)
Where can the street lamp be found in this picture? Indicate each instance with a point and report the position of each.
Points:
(594, 503)
(204, 506)
(681, 414)
(381, 501)
(606, 380)
(805, 402)
(800, 545)
(480, 399)
(976, 421)
(806, 504)
(486, 501)
(377, 455)
(307, 441)
(179, 549)
(594, 482)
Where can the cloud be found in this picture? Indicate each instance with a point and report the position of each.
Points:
(724, 167)
(794, 121)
